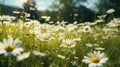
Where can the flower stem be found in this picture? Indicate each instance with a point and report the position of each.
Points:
(118, 32)
(9, 63)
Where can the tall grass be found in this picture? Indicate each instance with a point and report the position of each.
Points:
(103, 37)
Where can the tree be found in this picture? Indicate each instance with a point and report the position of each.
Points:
(30, 7)
(104, 5)
(72, 10)
(2, 4)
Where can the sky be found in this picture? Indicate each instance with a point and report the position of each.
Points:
(91, 4)
(44, 4)
(41, 4)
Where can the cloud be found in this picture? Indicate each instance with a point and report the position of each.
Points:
(50, 3)
(90, 4)
(20, 2)
(17, 3)
(41, 8)
(41, 4)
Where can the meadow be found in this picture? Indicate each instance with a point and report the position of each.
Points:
(30, 43)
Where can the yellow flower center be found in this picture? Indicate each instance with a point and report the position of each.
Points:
(68, 44)
(9, 48)
(86, 29)
(118, 22)
(95, 59)
(45, 38)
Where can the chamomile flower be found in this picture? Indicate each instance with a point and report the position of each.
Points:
(68, 43)
(45, 37)
(16, 12)
(110, 11)
(23, 56)
(11, 47)
(89, 45)
(95, 59)
(61, 56)
(114, 22)
(77, 39)
(100, 48)
(86, 29)
(37, 53)
(70, 29)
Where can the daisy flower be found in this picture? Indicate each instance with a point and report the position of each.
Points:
(100, 48)
(61, 56)
(110, 11)
(70, 29)
(86, 29)
(95, 59)
(37, 53)
(89, 45)
(114, 22)
(23, 56)
(45, 37)
(10, 47)
(68, 43)
(16, 12)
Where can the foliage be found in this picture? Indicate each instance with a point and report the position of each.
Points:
(71, 10)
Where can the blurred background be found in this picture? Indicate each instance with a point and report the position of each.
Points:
(61, 10)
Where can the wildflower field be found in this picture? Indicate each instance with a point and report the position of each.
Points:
(28, 43)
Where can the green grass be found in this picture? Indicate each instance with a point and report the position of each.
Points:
(73, 56)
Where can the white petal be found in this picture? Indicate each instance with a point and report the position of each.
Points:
(2, 51)
(5, 42)
(86, 57)
(37, 53)
(16, 41)
(15, 53)
(92, 65)
(18, 49)
(90, 54)
(10, 41)
(72, 46)
(1, 46)
(98, 53)
(102, 55)
(103, 60)
(87, 61)
(1, 43)
(23, 56)
(100, 65)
